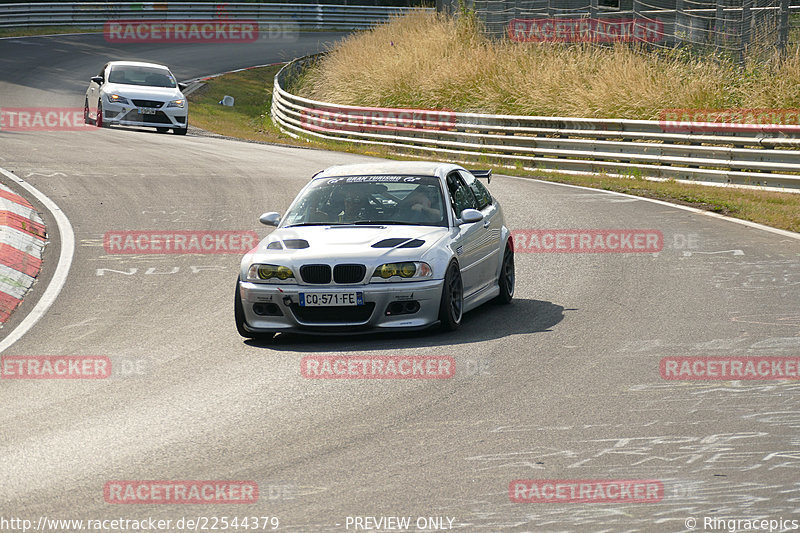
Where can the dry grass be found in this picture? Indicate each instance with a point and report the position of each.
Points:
(430, 61)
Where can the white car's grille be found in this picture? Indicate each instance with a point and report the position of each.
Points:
(147, 103)
(321, 274)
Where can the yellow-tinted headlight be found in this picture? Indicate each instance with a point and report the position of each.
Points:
(266, 271)
(273, 273)
(283, 272)
(407, 270)
(387, 270)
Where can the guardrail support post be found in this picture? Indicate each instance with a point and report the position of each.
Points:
(719, 25)
(746, 29)
(784, 26)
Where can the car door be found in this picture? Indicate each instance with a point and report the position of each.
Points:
(468, 241)
(490, 249)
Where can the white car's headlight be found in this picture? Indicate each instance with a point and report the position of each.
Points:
(117, 99)
(176, 103)
(403, 271)
(270, 273)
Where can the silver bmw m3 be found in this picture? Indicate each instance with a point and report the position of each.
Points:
(377, 247)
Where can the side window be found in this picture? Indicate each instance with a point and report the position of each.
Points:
(103, 71)
(482, 196)
(460, 194)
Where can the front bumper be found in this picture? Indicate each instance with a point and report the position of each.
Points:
(341, 319)
(126, 115)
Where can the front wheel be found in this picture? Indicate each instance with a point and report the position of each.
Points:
(99, 122)
(86, 119)
(506, 279)
(451, 307)
(179, 131)
(162, 130)
(238, 314)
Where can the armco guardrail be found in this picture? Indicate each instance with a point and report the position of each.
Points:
(96, 14)
(748, 155)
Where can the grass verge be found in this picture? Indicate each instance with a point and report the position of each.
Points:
(45, 30)
(249, 119)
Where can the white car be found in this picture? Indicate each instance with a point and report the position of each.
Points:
(379, 246)
(130, 93)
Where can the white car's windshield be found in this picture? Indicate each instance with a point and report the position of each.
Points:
(414, 200)
(145, 76)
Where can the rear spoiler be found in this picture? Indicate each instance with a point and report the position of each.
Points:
(483, 174)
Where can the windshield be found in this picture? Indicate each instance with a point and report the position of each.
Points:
(413, 200)
(146, 76)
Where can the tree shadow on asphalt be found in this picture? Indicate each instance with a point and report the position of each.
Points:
(482, 324)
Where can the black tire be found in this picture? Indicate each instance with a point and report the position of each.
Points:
(179, 131)
(162, 130)
(507, 278)
(451, 307)
(86, 119)
(238, 314)
(99, 122)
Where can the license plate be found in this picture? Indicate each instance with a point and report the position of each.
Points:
(325, 299)
(147, 110)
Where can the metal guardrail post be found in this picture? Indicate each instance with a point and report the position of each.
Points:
(784, 26)
(719, 17)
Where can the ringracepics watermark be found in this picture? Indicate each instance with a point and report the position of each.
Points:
(588, 241)
(586, 491)
(377, 367)
(730, 120)
(180, 492)
(43, 119)
(730, 368)
(179, 242)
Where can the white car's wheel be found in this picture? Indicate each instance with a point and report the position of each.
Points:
(506, 280)
(86, 119)
(99, 122)
(451, 307)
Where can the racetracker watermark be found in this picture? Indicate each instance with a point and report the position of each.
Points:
(378, 367)
(179, 242)
(587, 241)
(181, 31)
(180, 492)
(55, 367)
(730, 368)
(42, 119)
(370, 119)
(592, 30)
(586, 491)
(730, 120)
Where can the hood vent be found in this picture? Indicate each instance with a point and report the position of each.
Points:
(399, 243)
(289, 244)
(295, 244)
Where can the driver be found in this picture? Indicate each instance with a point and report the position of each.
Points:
(355, 208)
(417, 206)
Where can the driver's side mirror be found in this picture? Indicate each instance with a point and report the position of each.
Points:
(182, 86)
(270, 219)
(97, 79)
(469, 216)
